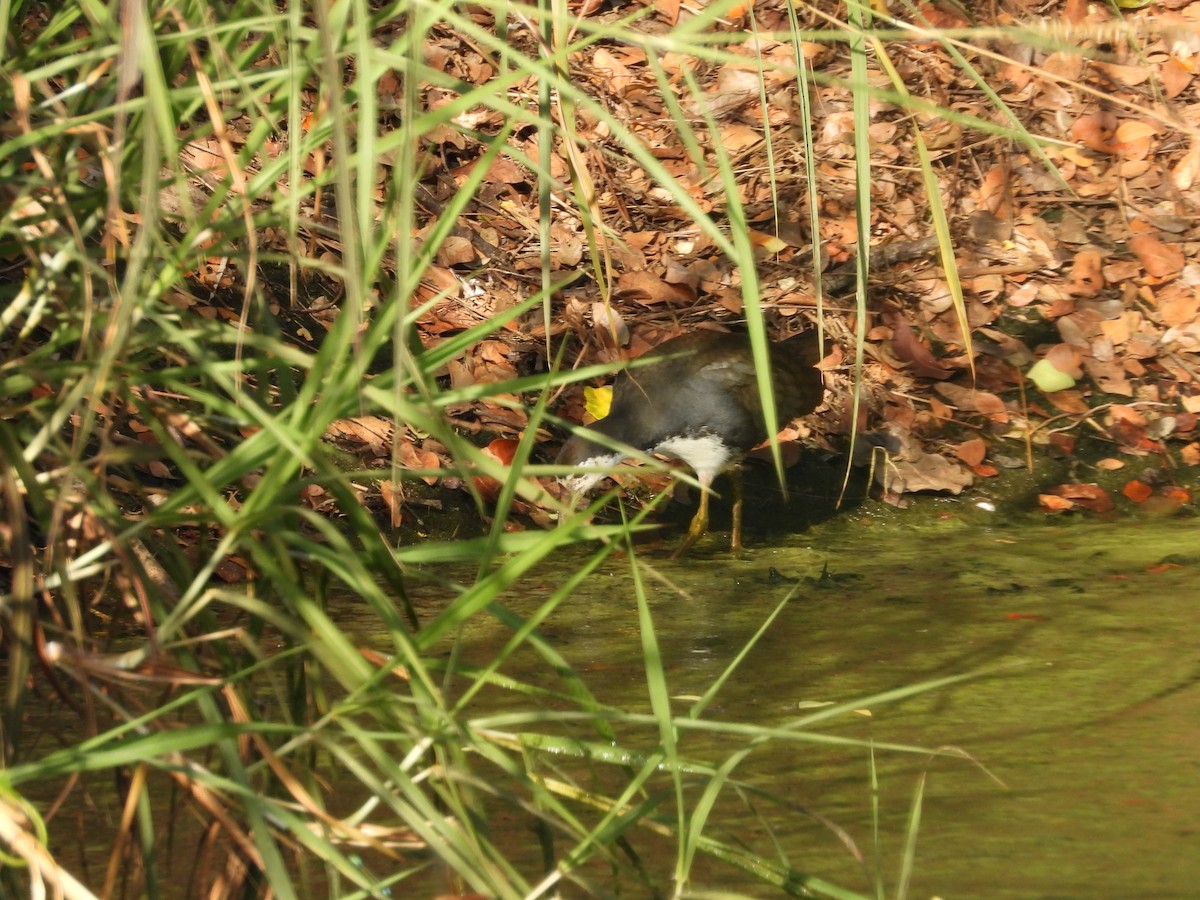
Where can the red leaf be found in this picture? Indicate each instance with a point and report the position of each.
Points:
(1137, 491)
(1159, 568)
(1179, 494)
(502, 450)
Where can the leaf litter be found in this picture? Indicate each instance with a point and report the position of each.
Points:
(1077, 258)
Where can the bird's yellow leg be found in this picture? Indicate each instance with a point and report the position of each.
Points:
(735, 483)
(698, 528)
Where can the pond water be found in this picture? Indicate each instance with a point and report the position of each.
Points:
(1088, 721)
(1082, 725)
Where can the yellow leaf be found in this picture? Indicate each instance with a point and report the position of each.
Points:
(597, 400)
(1049, 379)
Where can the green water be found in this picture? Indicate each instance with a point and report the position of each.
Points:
(1088, 725)
(1084, 734)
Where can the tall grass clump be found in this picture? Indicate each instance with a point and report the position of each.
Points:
(219, 240)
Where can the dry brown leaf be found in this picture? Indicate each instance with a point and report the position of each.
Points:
(1101, 187)
(412, 457)
(1135, 131)
(972, 400)
(648, 289)
(1109, 376)
(1130, 414)
(1178, 305)
(909, 348)
(928, 472)
(1087, 279)
(990, 405)
(610, 325)
(392, 495)
(1159, 259)
(1075, 11)
(502, 171)
(1184, 174)
(1126, 75)
(1069, 402)
(233, 570)
(455, 251)
(737, 137)
(995, 191)
(1187, 336)
(1079, 158)
(461, 375)
(1023, 295)
(972, 452)
(1095, 131)
(669, 10)
(1063, 65)
(618, 75)
(1089, 496)
(938, 15)
(204, 159)
(730, 299)
(374, 432)
(495, 352)
(437, 280)
(1175, 77)
(939, 134)
(1134, 168)
(940, 410)
(1066, 358)
(736, 86)
(1122, 328)
(567, 253)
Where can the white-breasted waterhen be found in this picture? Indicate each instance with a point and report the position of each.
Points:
(698, 401)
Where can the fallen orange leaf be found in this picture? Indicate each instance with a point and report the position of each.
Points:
(972, 452)
(1087, 279)
(1159, 259)
(1051, 503)
(1137, 491)
(1179, 494)
(1095, 131)
(1159, 568)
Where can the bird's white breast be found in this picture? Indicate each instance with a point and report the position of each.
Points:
(706, 454)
